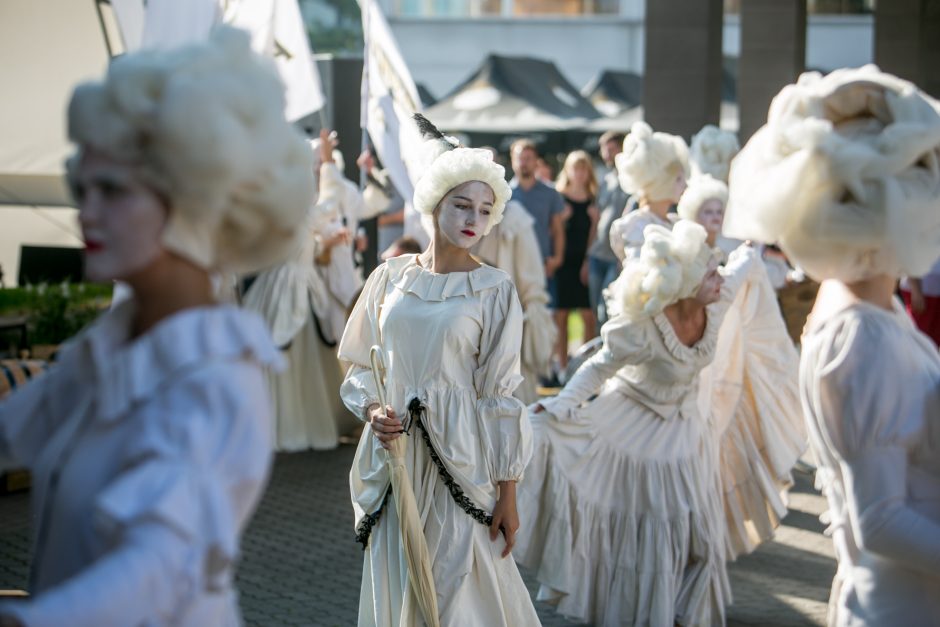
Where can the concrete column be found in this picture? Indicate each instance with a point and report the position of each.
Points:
(682, 77)
(907, 41)
(773, 54)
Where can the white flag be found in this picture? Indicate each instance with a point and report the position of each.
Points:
(276, 27)
(389, 100)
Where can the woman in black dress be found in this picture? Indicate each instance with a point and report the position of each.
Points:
(578, 185)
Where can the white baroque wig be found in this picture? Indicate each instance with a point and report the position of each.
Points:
(204, 127)
(845, 175)
(671, 266)
(700, 190)
(447, 165)
(712, 150)
(650, 162)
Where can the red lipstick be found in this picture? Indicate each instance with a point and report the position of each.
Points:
(469, 233)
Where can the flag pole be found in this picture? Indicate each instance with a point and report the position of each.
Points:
(364, 91)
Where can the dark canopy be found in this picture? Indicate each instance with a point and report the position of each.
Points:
(513, 95)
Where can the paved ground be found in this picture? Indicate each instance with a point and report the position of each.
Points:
(301, 565)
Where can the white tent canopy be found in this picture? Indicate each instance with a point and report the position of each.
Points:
(47, 47)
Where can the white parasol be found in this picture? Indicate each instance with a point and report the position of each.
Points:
(413, 541)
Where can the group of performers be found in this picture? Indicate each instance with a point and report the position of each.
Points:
(667, 454)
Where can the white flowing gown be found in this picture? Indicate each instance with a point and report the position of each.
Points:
(622, 499)
(751, 391)
(870, 384)
(452, 342)
(149, 456)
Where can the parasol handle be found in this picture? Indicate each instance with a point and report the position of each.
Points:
(378, 373)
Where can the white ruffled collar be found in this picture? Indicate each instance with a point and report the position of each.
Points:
(409, 276)
(126, 372)
(703, 348)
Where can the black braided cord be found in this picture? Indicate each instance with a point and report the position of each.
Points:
(415, 410)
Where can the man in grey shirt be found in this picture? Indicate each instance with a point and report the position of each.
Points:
(543, 203)
(603, 264)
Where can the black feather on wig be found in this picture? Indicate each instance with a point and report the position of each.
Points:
(429, 131)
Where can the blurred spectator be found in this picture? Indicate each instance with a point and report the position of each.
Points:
(401, 246)
(603, 265)
(543, 203)
(922, 297)
(578, 187)
(544, 171)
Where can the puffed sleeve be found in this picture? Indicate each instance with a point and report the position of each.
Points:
(176, 514)
(358, 388)
(625, 342)
(744, 263)
(871, 422)
(505, 429)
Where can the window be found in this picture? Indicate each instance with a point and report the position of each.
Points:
(508, 8)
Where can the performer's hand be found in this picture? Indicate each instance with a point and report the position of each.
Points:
(339, 238)
(505, 516)
(584, 273)
(326, 145)
(365, 161)
(385, 425)
(918, 303)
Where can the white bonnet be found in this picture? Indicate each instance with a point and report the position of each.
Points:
(671, 266)
(700, 190)
(845, 175)
(650, 162)
(204, 126)
(446, 165)
(712, 150)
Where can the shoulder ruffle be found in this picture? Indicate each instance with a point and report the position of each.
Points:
(406, 275)
(126, 373)
(701, 349)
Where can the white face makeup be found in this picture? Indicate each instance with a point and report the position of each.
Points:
(464, 212)
(711, 215)
(710, 289)
(122, 220)
(679, 186)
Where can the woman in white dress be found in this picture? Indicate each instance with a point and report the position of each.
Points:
(621, 499)
(846, 176)
(149, 440)
(451, 329)
(653, 168)
(304, 301)
(750, 390)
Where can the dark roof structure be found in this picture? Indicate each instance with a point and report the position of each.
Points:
(513, 95)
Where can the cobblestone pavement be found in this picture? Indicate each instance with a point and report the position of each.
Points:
(301, 565)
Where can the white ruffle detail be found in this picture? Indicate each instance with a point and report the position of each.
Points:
(624, 539)
(408, 276)
(132, 372)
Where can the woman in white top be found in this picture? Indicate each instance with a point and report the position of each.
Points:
(451, 329)
(653, 168)
(846, 176)
(622, 494)
(149, 441)
(750, 390)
